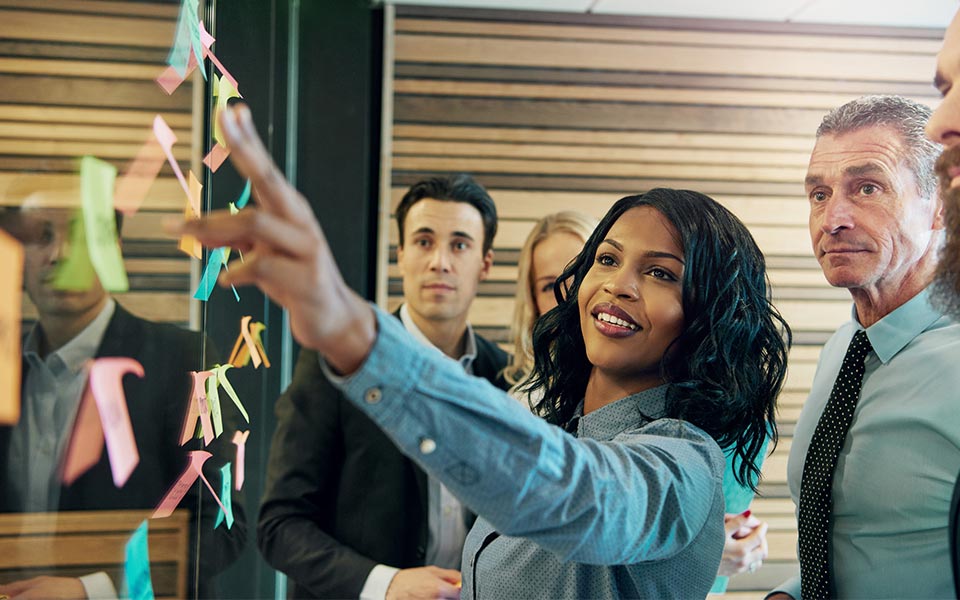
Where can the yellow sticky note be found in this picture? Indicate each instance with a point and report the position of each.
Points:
(96, 198)
(11, 284)
(225, 91)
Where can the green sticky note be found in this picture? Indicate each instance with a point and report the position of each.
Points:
(225, 497)
(96, 199)
(136, 568)
(213, 402)
(221, 372)
(75, 271)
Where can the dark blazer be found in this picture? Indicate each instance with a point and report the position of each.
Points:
(340, 498)
(157, 404)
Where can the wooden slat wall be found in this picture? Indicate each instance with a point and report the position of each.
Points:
(76, 78)
(555, 112)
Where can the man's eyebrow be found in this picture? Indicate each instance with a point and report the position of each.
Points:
(422, 230)
(859, 170)
(813, 180)
(463, 234)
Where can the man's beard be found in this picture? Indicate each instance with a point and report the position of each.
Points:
(946, 286)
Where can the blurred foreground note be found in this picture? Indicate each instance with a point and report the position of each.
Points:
(133, 185)
(96, 194)
(106, 385)
(86, 441)
(186, 39)
(136, 568)
(75, 271)
(240, 440)
(11, 280)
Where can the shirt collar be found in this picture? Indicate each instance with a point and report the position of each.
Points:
(75, 353)
(608, 421)
(470, 352)
(892, 333)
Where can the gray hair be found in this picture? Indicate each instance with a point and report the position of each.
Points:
(907, 117)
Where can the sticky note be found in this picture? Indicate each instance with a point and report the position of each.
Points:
(198, 399)
(86, 441)
(11, 284)
(188, 243)
(216, 157)
(169, 79)
(106, 385)
(225, 91)
(75, 271)
(136, 566)
(133, 185)
(226, 497)
(207, 40)
(180, 488)
(186, 39)
(208, 281)
(213, 401)
(96, 195)
(240, 440)
(166, 138)
(221, 371)
(248, 346)
(244, 196)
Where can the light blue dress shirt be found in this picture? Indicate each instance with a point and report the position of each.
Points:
(635, 510)
(896, 470)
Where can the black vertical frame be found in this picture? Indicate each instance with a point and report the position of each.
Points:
(319, 116)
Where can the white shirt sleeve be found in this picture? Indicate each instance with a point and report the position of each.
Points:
(98, 586)
(375, 588)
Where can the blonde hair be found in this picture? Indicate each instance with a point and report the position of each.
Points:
(524, 310)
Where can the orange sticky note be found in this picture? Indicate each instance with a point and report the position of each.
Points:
(248, 345)
(197, 409)
(11, 276)
(86, 441)
(216, 157)
(188, 243)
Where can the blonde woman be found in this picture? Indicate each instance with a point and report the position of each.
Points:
(555, 240)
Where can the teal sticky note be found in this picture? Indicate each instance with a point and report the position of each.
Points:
(225, 497)
(244, 196)
(97, 180)
(179, 56)
(210, 273)
(136, 568)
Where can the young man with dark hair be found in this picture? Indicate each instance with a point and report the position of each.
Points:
(345, 514)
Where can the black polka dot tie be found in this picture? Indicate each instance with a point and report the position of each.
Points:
(816, 486)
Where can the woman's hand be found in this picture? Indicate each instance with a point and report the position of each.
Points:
(745, 546)
(285, 253)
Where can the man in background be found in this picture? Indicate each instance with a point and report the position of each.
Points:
(345, 514)
(72, 328)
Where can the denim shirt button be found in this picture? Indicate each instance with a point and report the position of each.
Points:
(373, 395)
(427, 446)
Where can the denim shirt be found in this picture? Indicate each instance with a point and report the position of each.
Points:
(629, 508)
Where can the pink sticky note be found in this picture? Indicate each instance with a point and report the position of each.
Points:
(207, 40)
(133, 185)
(217, 155)
(240, 439)
(167, 139)
(197, 409)
(169, 80)
(179, 489)
(106, 384)
(86, 441)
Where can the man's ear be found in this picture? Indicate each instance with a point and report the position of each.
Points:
(487, 263)
(400, 258)
(938, 218)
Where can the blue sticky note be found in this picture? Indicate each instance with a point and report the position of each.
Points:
(244, 196)
(136, 569)
(210, 273)
(179, 56)
(225, 497)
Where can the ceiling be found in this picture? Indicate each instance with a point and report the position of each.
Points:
(895, 13)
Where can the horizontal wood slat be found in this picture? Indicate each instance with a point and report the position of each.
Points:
(90, 29)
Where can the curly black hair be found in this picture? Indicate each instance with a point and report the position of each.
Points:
(727, 366)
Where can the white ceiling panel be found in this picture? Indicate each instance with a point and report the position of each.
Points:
(899, 13)
(770, 10)
(548, 5)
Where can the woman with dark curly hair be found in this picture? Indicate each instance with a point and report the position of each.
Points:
(665, 346)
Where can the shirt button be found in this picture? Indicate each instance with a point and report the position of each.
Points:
(427, 446)
(373, 395)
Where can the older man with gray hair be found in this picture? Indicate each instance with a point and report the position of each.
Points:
(876, 448)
